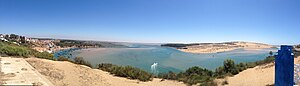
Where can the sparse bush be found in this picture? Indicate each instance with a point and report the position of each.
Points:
(44, 55)
(250, 64)
(210, 83)
(126, 71)
(191, 76)
(61, 58)
(230, 67)
(225, 82)
(241, 67)
(14, 50)
(195, 75)
(219, 72)
(170, 75)
(80, 60)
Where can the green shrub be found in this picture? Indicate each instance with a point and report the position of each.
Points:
(126, 71)
(18, 50)
(250, 64)
(44, 55)
(219, 72)
(199, 71)
(14, 50)
(191, 76)
(195, 75)
(106, 67)
(80, 60)
(230, 67)
(61, 58)
(241, 67)
(210, 83)
(170, 75)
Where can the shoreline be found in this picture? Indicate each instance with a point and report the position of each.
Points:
(219, 51)
(199, 51)
(223, 47)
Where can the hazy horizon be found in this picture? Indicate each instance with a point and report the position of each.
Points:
(155, 21)
(136, 42)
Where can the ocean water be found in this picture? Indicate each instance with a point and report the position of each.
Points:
(167, 59)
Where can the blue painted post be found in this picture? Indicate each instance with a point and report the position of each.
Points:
(284, 67)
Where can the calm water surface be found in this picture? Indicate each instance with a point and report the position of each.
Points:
(168, 59)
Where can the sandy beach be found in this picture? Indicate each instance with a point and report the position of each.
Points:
(222, 47)
(66, 73)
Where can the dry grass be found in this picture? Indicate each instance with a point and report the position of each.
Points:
(1, 74)
(63, 73)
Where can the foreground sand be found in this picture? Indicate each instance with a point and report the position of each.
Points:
(69, 74)
(257, 76)
(222, 47)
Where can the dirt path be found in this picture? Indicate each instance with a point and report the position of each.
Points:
(16, 71)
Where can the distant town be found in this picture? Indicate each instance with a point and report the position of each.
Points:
(51, 45)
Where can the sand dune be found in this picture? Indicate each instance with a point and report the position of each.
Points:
(221, 47)
(66, 73)
(258, 76)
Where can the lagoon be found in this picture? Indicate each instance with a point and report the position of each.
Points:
(167, 59)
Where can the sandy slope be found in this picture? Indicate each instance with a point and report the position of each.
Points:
(66, 73)
(1, 75)
(258, 76)
(221, 47)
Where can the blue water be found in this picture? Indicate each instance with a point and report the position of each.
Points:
(65, 53)
(168, 59)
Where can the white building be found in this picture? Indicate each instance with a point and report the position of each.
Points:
(3, 39)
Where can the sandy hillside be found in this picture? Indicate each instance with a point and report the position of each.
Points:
(258, 76)
(69, 74)
(221, 47)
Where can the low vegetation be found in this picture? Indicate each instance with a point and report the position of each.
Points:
(14, 50)
(61, 58)
(75, 43)
(126, 71)
(11, 49)
(205, 77)
(44, 55)
(81, 61)
(191, 76)
(178, 45)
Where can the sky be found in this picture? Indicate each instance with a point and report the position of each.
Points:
(155, 21)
